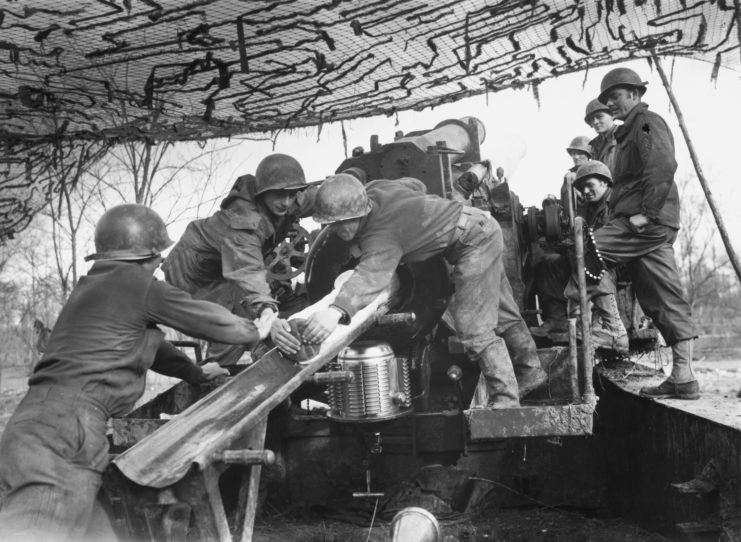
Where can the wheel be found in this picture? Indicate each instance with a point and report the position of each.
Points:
(553, 232)
(531, 221)
(288, 259)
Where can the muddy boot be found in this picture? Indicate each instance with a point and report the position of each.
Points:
(554, 318)
(525, 360)
(501, 384)
(682, 383)
(609, 333)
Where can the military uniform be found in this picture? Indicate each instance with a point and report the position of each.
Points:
(54, 450)
(222, 258)
(643, 182)
(407, 225)
(603, 148)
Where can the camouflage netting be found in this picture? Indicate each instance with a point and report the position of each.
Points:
(103, 71)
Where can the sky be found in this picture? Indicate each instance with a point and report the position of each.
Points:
(529, 138)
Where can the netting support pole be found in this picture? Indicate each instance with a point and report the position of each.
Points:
(698, 168)
(737, 5)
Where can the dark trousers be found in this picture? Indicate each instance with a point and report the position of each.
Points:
(649, 257)
(52, 456)
(551, 276)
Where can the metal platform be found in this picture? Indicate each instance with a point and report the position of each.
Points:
(531, 421)
(558, 410)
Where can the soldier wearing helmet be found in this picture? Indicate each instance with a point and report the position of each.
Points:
(222, 258)
(599, 117)
(555, 286)
(54, 449)
(580, 152)
(594, 181)
(644, 220)
(395, 221)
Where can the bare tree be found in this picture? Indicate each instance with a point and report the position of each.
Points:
(29, 292)
(702, 265)
(68, 207)
(179, 179)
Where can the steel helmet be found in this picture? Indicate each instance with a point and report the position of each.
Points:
(279, 172)
(580, 144)
(340, 197)
(129, 232)
(593, 168)
(592, 107)
(620, 77)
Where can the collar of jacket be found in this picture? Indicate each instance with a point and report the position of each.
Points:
(604, 139)
(106, 266)
(627, 125)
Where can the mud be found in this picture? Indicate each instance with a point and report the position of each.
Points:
(505, 525)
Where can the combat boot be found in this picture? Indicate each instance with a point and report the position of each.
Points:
(554, 318)
(682, 383)
(608, 330)
(501, 384)
(525, 360)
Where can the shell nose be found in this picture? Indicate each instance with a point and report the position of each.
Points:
(414, 524)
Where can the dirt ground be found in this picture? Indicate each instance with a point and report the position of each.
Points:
(504, 525)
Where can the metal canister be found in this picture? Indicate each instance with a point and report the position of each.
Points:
(380, 389)
(414, 524)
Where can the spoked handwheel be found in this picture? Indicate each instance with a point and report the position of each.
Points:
(288, 259)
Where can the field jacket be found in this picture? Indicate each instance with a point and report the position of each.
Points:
(232, 245)
(643, 175)
(405, 224)
(106, 338)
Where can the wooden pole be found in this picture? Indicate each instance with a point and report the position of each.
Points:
(737, 5)
(698, 168)
(586, 314)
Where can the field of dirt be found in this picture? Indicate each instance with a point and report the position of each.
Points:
(503, 525)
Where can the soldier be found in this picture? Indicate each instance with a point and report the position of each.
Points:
(222, 258)
(598, 116)
(580, 152)
(54, 449)
(594, 181)
(396, 221)
(552, 273)
(644, 221)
